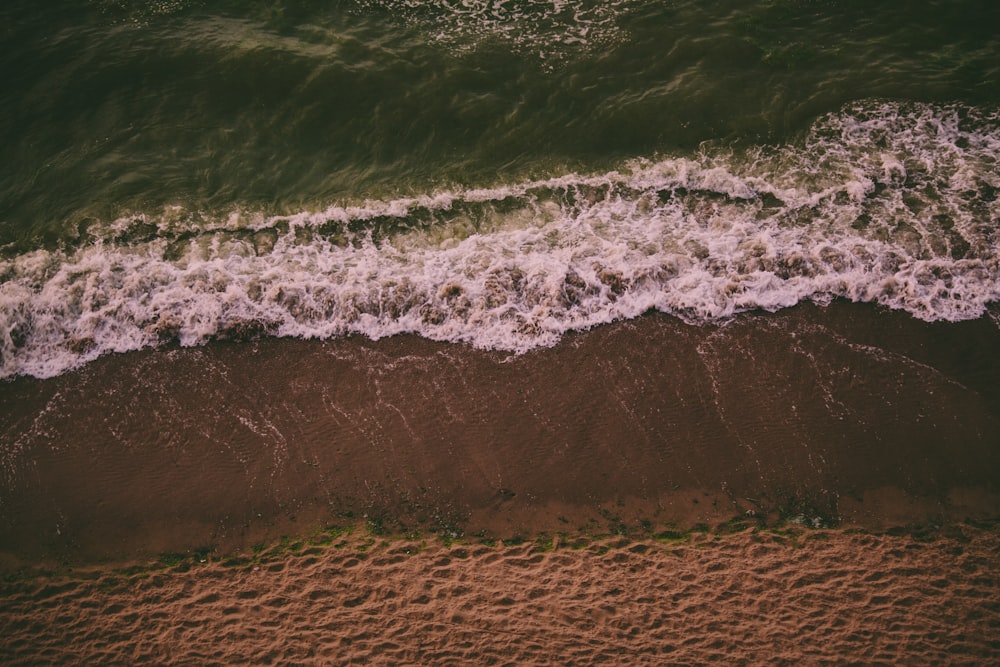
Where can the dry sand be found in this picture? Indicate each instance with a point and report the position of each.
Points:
(753, 597)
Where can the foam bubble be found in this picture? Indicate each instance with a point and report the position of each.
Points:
(882, 203)
(551, 30)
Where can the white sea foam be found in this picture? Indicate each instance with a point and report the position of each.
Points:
(881, 203)
(552, 30)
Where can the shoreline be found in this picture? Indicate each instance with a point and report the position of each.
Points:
(846, 414)
(372, 532)
(884, 513)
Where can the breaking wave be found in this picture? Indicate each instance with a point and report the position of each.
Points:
(882, 202)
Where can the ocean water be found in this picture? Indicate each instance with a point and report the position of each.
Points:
(494, 173)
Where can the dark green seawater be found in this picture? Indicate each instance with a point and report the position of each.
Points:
(493, 172)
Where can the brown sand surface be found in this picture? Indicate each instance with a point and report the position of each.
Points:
(186, 458)
(753, 597)
(846, 413)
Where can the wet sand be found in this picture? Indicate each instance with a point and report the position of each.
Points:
(813, 417)
(845, 415)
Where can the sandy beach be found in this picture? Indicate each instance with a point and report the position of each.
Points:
(813, 485)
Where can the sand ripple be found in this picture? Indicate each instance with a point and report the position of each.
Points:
(753, 597)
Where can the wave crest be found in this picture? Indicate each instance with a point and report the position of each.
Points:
(885, 203)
